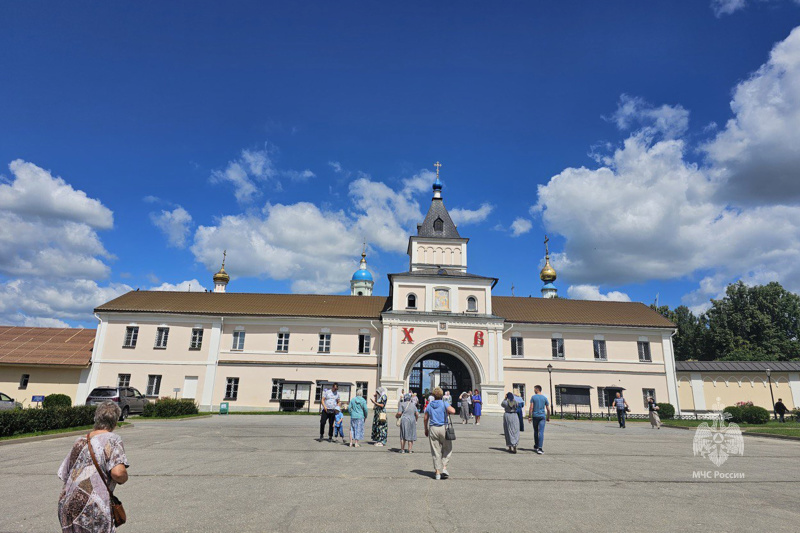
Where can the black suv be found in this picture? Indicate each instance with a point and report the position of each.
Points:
(130, 400)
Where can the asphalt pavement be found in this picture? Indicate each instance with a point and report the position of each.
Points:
(270, 473)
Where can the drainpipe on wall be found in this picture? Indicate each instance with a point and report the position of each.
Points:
(675, 373)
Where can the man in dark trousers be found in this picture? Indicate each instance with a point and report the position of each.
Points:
(330, 399)
(780, 409)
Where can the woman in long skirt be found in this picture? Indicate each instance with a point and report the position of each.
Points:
(510, 422)
(477, 403)
(520, 406)
(380, 429)
(408, 415)
(464, 398)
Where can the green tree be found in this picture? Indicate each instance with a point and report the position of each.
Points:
(760, 323)
(689, 342)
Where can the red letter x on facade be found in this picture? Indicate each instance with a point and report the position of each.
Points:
(407, 335)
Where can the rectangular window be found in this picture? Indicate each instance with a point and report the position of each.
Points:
(318, 393)
(162, 335)
(516, 347)
(558, 348)
(644, 352)
(23, 381)
(602, 397)
(362, 386)
(363, 343)
(521, 388)
(153, 385)
(648, 393)
(197, 339)
(558, 396)
(123, 380)
(131, 336)
(324, 343)
(232, 389)
(283, 342)
(600, 350)
(238, 340)
(277, 389)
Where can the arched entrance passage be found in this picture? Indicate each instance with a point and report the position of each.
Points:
(460, 369)
(439, 369)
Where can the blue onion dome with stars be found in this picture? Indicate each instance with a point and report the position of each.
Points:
(362, 274)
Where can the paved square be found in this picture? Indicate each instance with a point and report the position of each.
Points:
(269, 473)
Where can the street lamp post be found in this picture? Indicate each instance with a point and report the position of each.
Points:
(771, 395)
(550, 374)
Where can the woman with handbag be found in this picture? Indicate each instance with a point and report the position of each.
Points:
(94, 466)
(380, 428)
(407, 416)
(437, 420)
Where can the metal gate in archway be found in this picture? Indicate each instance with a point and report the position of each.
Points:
(452, 375)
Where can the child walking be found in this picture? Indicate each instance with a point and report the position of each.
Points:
(338, 431)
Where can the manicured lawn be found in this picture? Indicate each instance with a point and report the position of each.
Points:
(55, 431)
(772, 427)
(139, 417)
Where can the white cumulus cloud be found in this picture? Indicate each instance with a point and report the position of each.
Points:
(463, 216)
(520, 226)
(592, 292)
(175, 224)
(184, 286)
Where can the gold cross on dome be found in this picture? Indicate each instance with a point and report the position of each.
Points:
(438, 166)
(546, 248)
(224, 255)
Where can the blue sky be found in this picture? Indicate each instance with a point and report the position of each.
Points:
(654, 142)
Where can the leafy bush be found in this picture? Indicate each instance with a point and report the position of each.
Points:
(29, 420)
(56, 400)
(796, 413)
(736, 413)
(755, 415)
(170, 407)
(666, 410)
(744, 404)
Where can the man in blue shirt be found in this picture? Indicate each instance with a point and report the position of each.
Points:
(539, 414)
(622, 408)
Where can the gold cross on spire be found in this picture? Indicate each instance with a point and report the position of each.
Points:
(224, 255)
(546, 248)
(438, 166)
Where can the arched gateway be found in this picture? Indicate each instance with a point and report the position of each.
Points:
(455, 368)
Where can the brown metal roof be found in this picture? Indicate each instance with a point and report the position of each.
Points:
(46, 346)
(248, 304)
(577, 312)
(737, 366)
(513, 309)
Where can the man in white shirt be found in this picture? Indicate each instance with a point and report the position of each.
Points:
(330, 400)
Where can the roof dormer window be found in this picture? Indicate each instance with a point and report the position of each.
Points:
(438, 224)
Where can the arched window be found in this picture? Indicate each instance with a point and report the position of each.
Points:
(412, 301)
(438, 225)
(472, 304)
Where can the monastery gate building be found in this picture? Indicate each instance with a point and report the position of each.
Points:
(440, 324)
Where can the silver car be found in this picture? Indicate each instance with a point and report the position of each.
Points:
(7, 402)
(130, 400)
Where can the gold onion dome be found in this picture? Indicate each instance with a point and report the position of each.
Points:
(548, 273)
(222, 276)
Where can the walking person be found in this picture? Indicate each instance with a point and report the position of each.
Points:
(520, 407)
(338, 426)
(622, 408)
(780, 409)
(330, 401)
(652, 409)
(538, 414)
(358, 412)
(447, 398)
(85, 502)
(477, 403)
(464, 400)
(408, 415)
(436, 418)
(511, 422)
(380, 428)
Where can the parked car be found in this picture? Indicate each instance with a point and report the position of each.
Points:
(7, 402)
(130, 400)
